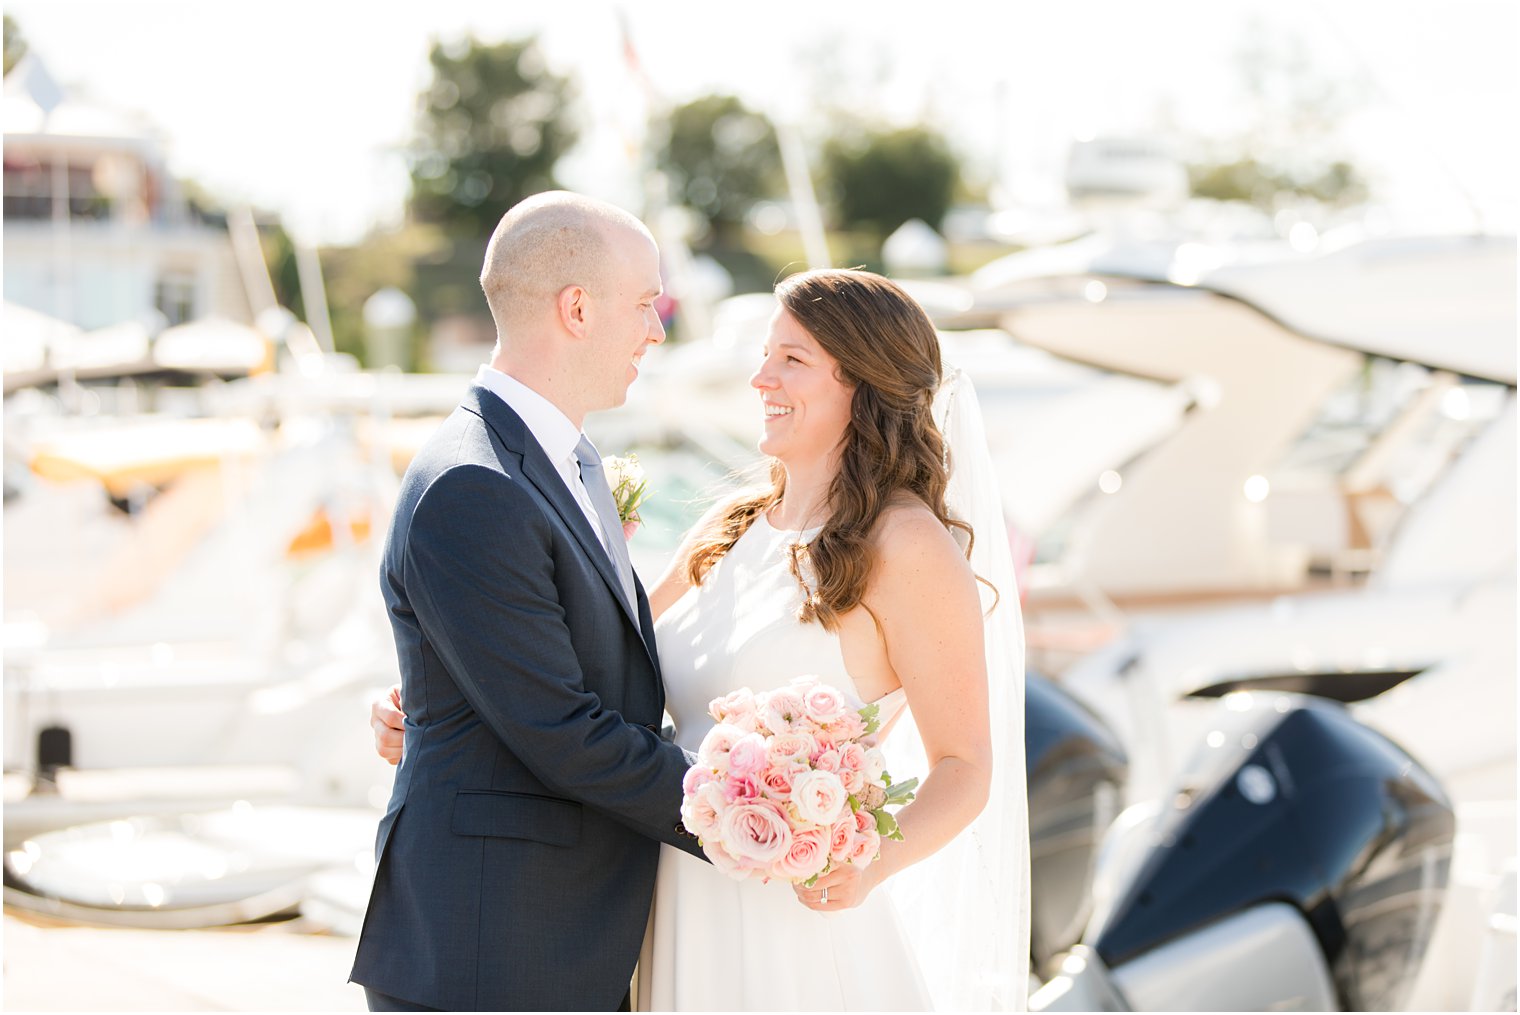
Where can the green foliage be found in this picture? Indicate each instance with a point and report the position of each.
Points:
(354, 274)
(720, 158)
(1265, 185)
(493, 123)
(880, 179)
(15, 43)
(280, 255)
(1288, 146)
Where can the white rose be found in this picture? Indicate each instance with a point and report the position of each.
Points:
(819, 797)
(876, 764)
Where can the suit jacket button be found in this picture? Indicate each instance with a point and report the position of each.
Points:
(651, 727)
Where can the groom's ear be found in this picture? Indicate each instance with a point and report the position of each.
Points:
(572, 305)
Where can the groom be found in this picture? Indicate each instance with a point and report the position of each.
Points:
(516, 860)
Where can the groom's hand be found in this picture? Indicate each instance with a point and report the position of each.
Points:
(389, 724)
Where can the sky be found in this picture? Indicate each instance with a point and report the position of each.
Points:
(304, 107)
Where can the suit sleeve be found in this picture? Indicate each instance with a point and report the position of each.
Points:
(479, 576)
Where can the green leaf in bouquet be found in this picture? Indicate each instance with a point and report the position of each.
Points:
(886, 825)
(902, 792)
(870, 714)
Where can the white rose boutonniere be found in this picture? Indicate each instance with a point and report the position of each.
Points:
(626, 478)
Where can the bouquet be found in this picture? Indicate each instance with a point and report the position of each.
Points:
(786, 786)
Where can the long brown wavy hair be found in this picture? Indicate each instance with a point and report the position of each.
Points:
(887, 349)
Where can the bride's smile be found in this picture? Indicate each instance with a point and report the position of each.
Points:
(806, 405)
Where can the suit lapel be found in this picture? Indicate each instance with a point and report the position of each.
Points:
(538, 470)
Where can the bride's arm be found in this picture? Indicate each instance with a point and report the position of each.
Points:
(925, 598)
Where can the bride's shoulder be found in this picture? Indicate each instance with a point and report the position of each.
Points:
(914, 552)
(908, 536)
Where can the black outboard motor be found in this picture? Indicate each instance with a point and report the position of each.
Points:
(1301, 864)
(1077, 771)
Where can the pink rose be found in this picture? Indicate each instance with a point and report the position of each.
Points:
(807, 856)
(716, 745)
(842, 837)
(786, 746)
(849, 726)
(866, 846)
(694, 777)
(818, 797)
(748, 755)
(734, 703)
(782, 709)
(702, 811)
(852, 763)
(865, 821)
(740, 787)
(725, 861)
(776, 782)
(824, 704)
(824, 739)
(827, 761)
(755, 831)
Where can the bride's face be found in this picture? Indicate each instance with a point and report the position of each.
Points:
(806, 405)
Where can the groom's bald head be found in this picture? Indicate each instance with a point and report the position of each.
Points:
(543, 244)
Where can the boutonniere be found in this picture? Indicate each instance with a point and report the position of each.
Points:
(626, 478)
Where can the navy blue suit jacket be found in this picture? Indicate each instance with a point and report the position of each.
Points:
(516, 860)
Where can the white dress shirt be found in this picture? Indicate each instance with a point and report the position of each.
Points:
(553, 431)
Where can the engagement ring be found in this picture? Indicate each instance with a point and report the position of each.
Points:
(825, 896)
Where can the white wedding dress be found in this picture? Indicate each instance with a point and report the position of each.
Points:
(716, 944)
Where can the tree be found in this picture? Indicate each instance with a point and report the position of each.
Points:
(721, 158)
(1265, 185)
(492, 125)
(15, 43)
(880, 179)
(1290, 144)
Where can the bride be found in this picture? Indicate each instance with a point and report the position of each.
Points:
(847, 565)
(876, 559)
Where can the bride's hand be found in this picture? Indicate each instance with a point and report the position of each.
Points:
(847, 886)
(389, 724)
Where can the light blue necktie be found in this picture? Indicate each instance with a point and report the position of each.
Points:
(606, 509)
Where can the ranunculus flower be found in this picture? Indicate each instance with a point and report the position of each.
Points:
(755, 831)
(748, 755)
(818, 797)
(702, 811)
(824, 704)
(807, 856)
(782, 710)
